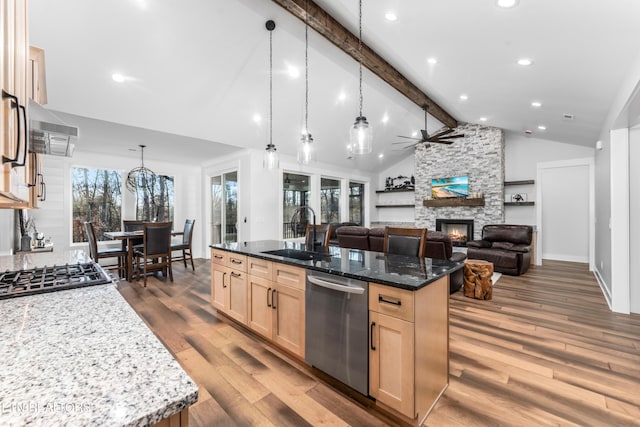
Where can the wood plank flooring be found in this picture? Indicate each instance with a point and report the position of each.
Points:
(545, 350)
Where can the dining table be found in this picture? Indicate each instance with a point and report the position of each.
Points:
(126, 237)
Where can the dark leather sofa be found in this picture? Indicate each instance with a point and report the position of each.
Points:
(372, 239)
(507, 246)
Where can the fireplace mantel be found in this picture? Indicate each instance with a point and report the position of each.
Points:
(461, 201)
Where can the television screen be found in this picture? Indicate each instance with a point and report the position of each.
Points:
(454, 186)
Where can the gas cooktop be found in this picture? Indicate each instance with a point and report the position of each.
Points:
(50, 279)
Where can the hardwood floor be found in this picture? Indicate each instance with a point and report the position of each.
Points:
(545, 350)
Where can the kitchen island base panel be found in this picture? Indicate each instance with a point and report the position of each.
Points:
(181, 419)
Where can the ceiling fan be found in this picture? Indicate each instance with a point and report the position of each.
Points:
(442, 136)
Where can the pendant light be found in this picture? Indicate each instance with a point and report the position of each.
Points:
(271, 160)
(140, 176)
(361, 133)
(305, 150)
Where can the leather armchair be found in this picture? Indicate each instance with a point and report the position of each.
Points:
(376, 239)
(439, 246)
(353, 236)
(508, 247)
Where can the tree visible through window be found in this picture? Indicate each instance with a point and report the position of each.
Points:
(97, 197)
(154, 197)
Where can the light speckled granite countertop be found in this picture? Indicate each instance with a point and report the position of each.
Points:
(83, 357)
(26, 260)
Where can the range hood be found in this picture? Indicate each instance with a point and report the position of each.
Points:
(48, 134)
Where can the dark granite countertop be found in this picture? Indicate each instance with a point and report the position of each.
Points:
(399, 271)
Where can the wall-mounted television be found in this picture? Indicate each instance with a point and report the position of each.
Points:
(453, 186)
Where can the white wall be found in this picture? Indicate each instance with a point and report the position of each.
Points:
(6, 232)
(54, 215)
(522, 155)
(634, 213)
(405, 167)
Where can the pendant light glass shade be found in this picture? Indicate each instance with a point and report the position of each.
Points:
(361, 133)
(361, 137)
(271, 159)
(306, 153)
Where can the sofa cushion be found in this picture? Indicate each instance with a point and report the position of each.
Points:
(511, 247)
(478, 244)
(508, 233)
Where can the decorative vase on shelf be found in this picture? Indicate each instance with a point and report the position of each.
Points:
(25, 243)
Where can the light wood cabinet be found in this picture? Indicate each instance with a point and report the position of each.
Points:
(229, 284)
(36, 76)
(276, 303)
(14, 176)
(409, 347)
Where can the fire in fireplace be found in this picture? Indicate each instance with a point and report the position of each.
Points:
(459, 230)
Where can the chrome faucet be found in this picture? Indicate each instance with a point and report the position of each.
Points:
(300, 208)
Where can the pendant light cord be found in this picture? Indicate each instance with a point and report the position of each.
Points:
(306, 67)
(271, 88)
(360, 53)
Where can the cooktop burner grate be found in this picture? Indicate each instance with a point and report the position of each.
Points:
(49, 279)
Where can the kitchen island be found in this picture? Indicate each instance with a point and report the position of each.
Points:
(83, 357)
(274, 289)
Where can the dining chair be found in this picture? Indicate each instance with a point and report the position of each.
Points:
(323, 234)
(185, 246)
(97, 255)
(132, 225)
(405, 241)
(156, 250)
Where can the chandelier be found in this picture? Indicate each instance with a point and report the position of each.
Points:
(140, 176)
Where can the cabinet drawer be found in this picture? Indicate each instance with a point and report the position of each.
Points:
(219, 257)
(260, 268)
(237, 262)
(391, 301)
(289, 275)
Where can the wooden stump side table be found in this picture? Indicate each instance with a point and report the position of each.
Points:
(477, 279)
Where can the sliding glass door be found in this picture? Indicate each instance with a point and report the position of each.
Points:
(224, 208)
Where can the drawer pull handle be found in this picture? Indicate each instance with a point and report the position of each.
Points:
(268, 293)
(383, 299)
(273, 299)
(234, 274)
(223, 276)
(218, 256)
(235, 261)
(373, 324)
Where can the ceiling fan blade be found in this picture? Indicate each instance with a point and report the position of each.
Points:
(442, 141)
(408, 137)
(441, 133)
(424, 133)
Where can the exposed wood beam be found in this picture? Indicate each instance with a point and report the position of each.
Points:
(325, 25)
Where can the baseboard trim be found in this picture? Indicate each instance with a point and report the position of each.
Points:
(569, 258)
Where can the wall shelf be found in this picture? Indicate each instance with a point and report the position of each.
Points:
(436, 203)
(395, 206)
(523, 182)
(519, 203)
(396, 190)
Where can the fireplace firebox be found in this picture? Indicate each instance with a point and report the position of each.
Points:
(459, 230)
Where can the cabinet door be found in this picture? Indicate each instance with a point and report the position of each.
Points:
(260, 314)
(218, 286)
(236, 295)
(289, 310)
(391, 362)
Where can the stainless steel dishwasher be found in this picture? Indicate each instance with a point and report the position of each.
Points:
(337, 319)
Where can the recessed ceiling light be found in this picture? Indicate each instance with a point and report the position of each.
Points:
(432, 61)
(118, 77)
(483, 119)
(525, 62)
(464, 97)
(342, 96)
(257, 118)
(380, 155)
(385, 118)
(506, 3)
(294, 73)
(391, 16)
(542, 127)
(414, 133)
(536, 104)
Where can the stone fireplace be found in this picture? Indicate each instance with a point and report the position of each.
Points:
(459, 230)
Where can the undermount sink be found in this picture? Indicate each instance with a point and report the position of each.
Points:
(294, 253)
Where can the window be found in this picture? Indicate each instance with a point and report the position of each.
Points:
(224, 208)
(296, 189)
(356, 202)
(97, 197)
(329, 200)
(154, 197)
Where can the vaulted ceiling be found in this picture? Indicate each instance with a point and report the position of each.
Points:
(199, 69)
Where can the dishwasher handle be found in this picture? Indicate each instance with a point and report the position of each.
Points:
(335, 286)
